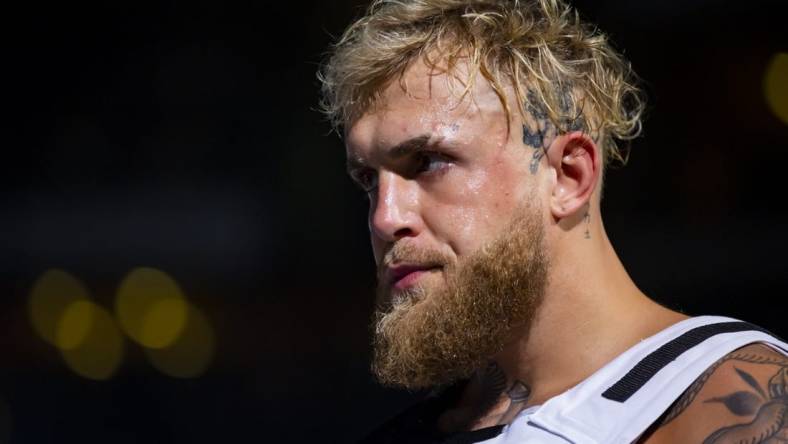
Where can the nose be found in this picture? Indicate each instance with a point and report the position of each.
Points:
(393, 212)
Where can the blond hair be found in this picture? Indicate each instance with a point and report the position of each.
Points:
(540, 48)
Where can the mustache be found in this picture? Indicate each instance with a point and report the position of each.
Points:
(407, 253)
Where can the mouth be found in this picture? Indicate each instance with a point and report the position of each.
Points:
(402, 277)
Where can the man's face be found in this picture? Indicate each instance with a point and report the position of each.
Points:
(455, 217)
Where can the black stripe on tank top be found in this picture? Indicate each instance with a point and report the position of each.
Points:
(644, 370)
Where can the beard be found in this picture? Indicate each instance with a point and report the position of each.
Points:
(426, 337)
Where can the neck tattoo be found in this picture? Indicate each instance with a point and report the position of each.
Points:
(494, 386)
(518, 394)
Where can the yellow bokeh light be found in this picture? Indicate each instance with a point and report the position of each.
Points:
(191, 355)
(151, 308)
(163, 322)
(75, 324)
(776, 86)
(52, 293)
(100, 352)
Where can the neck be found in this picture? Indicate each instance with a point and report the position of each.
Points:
(591, 313)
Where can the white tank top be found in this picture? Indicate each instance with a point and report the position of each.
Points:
(622, 399)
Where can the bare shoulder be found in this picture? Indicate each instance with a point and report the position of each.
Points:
(742, 398)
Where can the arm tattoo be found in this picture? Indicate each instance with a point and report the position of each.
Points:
(768, 405)
(541, 132)
(689, 395)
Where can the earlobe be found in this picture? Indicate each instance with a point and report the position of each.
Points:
(577, 162)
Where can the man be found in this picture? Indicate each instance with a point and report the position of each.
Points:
(479, 130)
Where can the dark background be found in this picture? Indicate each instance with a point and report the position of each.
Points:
(182, 136)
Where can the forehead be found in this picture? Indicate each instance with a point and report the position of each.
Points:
(427, 100)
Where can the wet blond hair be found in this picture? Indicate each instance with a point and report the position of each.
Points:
(539, 48)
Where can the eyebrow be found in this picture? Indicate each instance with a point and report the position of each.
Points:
(398, 151)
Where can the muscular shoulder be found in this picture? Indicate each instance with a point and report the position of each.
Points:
(742, 398)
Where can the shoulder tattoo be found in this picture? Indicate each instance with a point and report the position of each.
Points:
(760, 403)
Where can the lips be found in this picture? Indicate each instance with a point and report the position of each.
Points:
(404, 276)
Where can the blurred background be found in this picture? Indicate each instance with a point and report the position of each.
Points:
(182, 259)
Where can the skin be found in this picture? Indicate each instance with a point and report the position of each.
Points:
(457, 192)
(742, 398)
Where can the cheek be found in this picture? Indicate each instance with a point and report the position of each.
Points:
(377, 247)
(476, 216)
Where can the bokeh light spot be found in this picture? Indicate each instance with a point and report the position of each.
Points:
(52, 293)
(163, 323)
(150, 307)
(75, 325)
(191, 355)
(99, 354)
(776, 86)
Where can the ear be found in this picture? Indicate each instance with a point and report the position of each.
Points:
(577, 163)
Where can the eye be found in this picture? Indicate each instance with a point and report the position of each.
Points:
(365, 178)
(431, 162)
